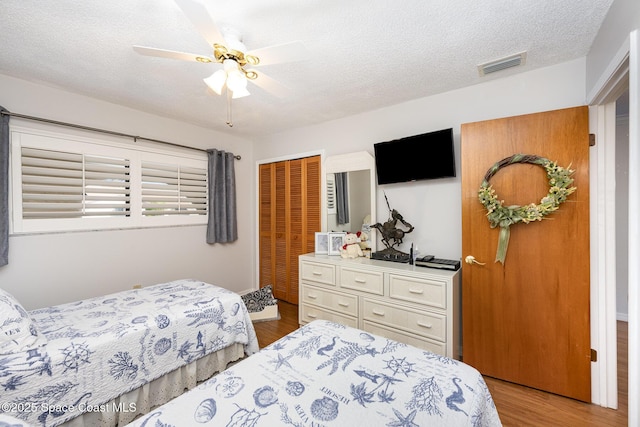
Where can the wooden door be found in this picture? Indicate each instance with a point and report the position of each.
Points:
(289, 217)
(527, 321)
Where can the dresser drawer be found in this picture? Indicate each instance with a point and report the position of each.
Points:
(310, 313)
(320, 273)
(418, 290)
(431, 325)
(343, 303)
(416, 341)
(362, 280)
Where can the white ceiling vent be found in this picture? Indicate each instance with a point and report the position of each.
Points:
(502, 63)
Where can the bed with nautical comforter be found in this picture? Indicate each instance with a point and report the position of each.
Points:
(112, 357)
(9, 421)
(327, 374)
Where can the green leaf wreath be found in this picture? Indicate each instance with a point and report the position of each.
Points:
(560, 188)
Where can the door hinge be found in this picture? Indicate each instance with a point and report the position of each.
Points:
(592, 140)
(594, 355)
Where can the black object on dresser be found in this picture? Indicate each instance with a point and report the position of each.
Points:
(430, 261)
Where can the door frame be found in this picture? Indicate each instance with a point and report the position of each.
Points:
(624, 67)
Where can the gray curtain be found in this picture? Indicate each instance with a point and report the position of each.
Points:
(222, 225)
(4, 188)
(342, 198)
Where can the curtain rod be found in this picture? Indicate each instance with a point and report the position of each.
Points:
(109, 132)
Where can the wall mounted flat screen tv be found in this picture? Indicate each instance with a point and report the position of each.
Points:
(425, 156)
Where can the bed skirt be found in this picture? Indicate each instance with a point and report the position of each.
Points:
(122, 410)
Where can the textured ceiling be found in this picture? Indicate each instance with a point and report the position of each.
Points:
(364, 54)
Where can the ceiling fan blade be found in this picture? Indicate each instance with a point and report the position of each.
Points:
(276, 54)
(171, 54)
(199, 16)
(272, 86)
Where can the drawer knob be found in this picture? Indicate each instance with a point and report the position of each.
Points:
(416, 291)
(311, 315)
(313, 296)
(425, 325)
(317, 273)
(343, 304)
(359, 280)
(378, 312)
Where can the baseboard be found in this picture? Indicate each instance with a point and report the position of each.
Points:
(623, 317)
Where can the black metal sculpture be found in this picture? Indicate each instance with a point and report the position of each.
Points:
(392, 236)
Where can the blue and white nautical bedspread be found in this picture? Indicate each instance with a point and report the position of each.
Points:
(325, 374)
(100, 348)
(8, 421)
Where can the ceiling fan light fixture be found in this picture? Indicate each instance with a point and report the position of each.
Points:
(230, 51)
(229, 65)
(240, 93)
(236, 80)
(216, 81)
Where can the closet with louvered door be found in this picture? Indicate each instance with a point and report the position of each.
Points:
(289, 216)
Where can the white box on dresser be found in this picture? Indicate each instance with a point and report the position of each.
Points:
(415, 305)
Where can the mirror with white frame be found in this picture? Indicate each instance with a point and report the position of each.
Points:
(350, 194)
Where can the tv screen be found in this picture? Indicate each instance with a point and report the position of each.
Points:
(425, 156)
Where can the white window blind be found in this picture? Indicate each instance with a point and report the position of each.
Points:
(63, 182)
(169, 189)
(58, 184)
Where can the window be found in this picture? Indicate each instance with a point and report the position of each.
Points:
(169, 190)
(56, 184)
(60, 183)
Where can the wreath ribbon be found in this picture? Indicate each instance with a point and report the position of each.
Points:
(560, 188)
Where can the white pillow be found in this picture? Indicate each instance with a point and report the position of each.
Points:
(17, 331)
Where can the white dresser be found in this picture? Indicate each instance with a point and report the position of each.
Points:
(415, 305)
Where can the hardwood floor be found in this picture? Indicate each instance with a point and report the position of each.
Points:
(273, 330)
(517, 405)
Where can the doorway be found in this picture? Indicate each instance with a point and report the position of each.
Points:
(624, 73)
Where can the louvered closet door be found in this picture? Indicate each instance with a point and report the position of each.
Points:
(279, 238)
(312, 215)
(266, 215)
(289, 217)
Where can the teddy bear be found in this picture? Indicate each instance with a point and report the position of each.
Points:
(364, 237)
(351, 247)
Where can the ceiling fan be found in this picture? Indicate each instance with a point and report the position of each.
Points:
(229, 51)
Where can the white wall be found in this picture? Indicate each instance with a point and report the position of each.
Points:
(622, 18)
(434, 207)
(48, 269)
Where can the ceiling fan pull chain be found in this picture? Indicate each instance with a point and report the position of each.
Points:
(229, 120)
